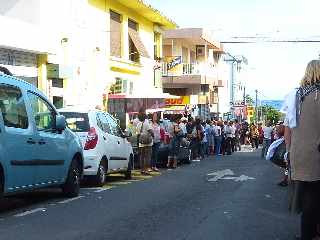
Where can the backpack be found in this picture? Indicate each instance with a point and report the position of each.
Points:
(144, 138)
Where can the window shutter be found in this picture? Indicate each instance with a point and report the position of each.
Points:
(115, 34)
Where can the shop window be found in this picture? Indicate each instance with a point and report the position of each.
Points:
(115, 34)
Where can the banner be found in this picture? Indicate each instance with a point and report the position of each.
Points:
(174, 65)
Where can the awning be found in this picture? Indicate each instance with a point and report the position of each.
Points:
(174, 109)
(134, 35)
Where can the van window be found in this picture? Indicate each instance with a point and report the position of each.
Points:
(77, 122)
(103, 123)
(43, 113)
(12, 107)
(116, 130)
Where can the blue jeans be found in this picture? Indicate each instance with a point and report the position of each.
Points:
(155, 151)
(218, 141)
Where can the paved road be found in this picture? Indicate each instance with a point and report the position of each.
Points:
(181, 204)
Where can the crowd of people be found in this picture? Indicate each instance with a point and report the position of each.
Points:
(203, 138)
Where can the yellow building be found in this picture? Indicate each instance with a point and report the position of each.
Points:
(135, 32)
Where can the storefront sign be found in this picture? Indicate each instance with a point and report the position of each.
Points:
(182, 101)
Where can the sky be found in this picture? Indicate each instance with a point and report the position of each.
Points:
(273, 68)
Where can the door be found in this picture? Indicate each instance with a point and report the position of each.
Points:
(121, 159)
(110, 145)
(52, 149)
(18, 139)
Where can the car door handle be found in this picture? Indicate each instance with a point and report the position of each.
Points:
(31, 141)
(42, 142)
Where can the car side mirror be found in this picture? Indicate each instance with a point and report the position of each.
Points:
(60, 123)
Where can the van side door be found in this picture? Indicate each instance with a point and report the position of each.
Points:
(52, 146)
(18, 139)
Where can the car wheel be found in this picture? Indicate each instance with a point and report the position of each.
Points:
(128, 173)
(101, 175)
(71, 187)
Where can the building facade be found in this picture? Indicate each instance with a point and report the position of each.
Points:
(80, 52)
(193, 68)
(135, 47)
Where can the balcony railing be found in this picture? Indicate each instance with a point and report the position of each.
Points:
(191, 73)
(189, 69)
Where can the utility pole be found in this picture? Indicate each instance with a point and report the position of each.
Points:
(257, 113)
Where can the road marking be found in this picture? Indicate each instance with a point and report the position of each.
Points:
(103, 189)
(70, 200)
(119, 183)
(223, 176)
(219, 174)
(30, 212)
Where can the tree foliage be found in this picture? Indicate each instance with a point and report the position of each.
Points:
(270, 114)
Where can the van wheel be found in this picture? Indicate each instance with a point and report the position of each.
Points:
(101, 175)
(71, 187)
(128, 173)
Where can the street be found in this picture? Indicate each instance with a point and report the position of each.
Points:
(222, 198)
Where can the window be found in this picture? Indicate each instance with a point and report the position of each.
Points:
(136, 46)
(77, 122)
(115, 34)
(57, 101)
(157, 46)
(12, 107)
(43, 113)
(57, 82)
(133, 52)
(103, 123)
(133, 25)
(115, 129)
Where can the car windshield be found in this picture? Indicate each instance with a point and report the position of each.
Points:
(77, 122)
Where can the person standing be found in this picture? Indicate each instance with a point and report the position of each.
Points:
(254, 135)
(218, 138)
(228, 133)
(267, 136)
(177, 134)
(156, 141)
(144, 130)
(302, 139)
(210, 137)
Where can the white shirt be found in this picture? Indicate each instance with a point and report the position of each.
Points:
(267, 132)
(217, 131)
(183, 127)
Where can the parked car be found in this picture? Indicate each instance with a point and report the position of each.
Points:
(106, 148)
(36, 148)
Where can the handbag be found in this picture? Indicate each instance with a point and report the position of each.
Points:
(144, 138)
(278, 157)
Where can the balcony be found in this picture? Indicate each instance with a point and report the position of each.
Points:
(180, 75)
